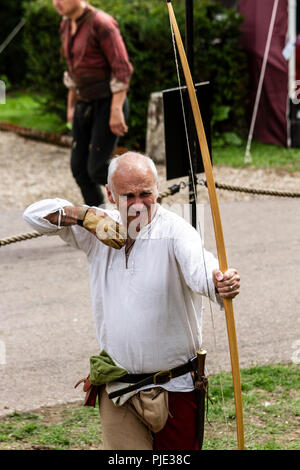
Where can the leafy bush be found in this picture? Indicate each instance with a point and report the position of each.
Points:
(146, 31)
(44, 62)
(13, 57)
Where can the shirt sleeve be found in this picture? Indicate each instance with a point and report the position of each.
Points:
(75, 235)
(116, 86)
(114, 49)
(196, 263)
(68, 81)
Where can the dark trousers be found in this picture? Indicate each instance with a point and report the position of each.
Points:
(93, 145)
(180, 431)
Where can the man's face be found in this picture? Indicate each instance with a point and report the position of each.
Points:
(66, 7)
(135, 194)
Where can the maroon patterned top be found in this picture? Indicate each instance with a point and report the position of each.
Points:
(95, 54)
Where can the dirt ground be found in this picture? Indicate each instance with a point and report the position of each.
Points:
(35, 170)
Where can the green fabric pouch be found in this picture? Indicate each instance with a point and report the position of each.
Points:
(103, 369)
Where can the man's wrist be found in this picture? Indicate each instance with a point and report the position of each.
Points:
(116, 107)
(81, 213)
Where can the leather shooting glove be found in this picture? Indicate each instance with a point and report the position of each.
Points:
(108, 231)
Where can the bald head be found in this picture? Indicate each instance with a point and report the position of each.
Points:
(130, 164)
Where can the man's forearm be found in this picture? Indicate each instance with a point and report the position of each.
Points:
(95, 221)
(117, 122)
(118, 99)
(70, 217)
(71, 104)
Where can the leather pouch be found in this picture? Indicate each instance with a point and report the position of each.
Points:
(91, 391)
(151, 407)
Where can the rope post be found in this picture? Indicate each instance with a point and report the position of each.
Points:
(189, 44)
(248, 158)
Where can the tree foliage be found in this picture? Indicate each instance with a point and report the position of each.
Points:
(146, 31)
(12, 62)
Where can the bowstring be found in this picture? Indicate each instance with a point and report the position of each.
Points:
(198, 223)
(183, 112)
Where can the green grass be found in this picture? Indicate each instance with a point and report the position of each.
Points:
(59, 428)
(27, 110)
(271, 416)
(263, 156)
(271, 402)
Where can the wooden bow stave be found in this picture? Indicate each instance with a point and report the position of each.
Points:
(218, 229)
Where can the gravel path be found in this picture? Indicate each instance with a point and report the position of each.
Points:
(46, 326)
(34, 170)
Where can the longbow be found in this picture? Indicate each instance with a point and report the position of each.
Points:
(218, 229)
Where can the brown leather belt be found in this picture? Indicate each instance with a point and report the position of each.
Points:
(154, 378)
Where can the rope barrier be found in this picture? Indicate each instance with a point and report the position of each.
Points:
(262, 192)
(175, 188)
(20, 238)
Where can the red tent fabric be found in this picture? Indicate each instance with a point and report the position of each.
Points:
(271, 122)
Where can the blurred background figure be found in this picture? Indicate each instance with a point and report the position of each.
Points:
(98, 79)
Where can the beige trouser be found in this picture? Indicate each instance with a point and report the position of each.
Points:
(121, 429)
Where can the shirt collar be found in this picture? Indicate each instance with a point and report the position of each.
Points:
(147, 228)
(81, 17)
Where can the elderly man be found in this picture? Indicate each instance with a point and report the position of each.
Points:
(146, 297)
(97, 78)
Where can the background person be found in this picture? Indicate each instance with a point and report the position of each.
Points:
(98, 78)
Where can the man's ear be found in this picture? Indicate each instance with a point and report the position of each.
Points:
(109, 194)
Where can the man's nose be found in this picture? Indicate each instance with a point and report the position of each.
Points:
(137, 206)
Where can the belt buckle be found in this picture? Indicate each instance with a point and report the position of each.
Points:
(159, 378)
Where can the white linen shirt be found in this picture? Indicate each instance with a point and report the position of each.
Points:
(147, 314)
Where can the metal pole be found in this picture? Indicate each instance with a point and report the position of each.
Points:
(248, 157)
(189, 45)
(11, 35)
(292, 35)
